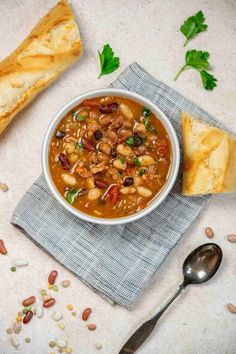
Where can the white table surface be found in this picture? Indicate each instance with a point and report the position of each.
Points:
(147, 32)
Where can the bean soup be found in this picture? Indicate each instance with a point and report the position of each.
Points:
(109, 157)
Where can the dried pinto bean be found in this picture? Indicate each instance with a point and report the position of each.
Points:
(209, 232)
(87, 145)
(86, 313)
(92, 327)
(64, 161)
(49, 303)
(29, 301)
(231, 238)
(108, 108)
(3, 249)
(52, 277)
(100, 184)
(28, 317)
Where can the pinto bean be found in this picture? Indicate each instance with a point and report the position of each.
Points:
(108, 108)
(105, 120)
(64, 161)
(125, 133)
(112, 136)
(104, 147)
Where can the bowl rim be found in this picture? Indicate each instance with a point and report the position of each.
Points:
(174, 168)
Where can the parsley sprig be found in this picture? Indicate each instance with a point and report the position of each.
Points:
(108, 61)
(193, 25)
(198, 60)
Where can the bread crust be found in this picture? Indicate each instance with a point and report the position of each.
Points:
(53, 45)
(209, 158)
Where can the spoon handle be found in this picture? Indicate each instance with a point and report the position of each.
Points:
(143, 332)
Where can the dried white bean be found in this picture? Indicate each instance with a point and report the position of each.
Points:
(20, 262)
(94, 194)
(17, 327)
(69, 179)
(62, 343)
(144, 192)
(124, 150)
(98, 346)
(65, 283)
(69, 147)
(126, 111)
(146, 160)
(15, 342)
(57, 315)
(39, 311)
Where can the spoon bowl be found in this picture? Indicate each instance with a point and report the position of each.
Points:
(202, 263)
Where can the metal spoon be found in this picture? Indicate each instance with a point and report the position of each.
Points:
(200, 265)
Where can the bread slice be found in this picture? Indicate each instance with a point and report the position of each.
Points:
(209, 158)
(49, 49)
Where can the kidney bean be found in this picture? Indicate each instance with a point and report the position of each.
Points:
(60, 134)
(98, 134)
(3, 249)
(64, 161)
(86, 313)
(87, 145)
(29, 301)
(108, 108)
(28, 317)
(138, 140)
(49, 303)
(52, 277)
(100, 184)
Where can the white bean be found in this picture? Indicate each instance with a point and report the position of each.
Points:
(69, 179)
(94, 194)
(39, 311)
(69, 147)
(119, 165)
(128, 190)
(57, 315)
(144, 192)
(146, 160)
(124, 150)
(62, 343)
(140, 127)
(126, 111)
(15, 342)
(20, 262)
(137, 181)
(17, 327)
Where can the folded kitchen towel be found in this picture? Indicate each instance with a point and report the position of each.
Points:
(116, 261)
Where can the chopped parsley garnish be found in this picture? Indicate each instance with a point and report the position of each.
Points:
(80, 118)
(122, 159)
(71, 195)
(74, 114)
(130, 141)
(79, 145)
(146, 112)
(142, 171)
(148, 125)
(137, 162)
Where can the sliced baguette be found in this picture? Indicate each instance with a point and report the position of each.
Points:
(49, 49)
(209, 158)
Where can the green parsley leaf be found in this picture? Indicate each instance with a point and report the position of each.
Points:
(146, 112)
(74, 114)
(130, 141)
(80, 118)
(142, 171)
(137, 162)
(79, 145)
(71, 195)
(193, 25)
(122, 159)
(148, 125)
(198, 60)
(108, 61)
(208, 80)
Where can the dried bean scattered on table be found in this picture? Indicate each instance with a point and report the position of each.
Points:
(65, 283)
(209, 232)
(3, 249)
(27, 317)
(231, 308)
(4, 187)
(29, 301)
(86, 313)
(91, 326)
(231, 238)
(49, 302)
(52, 277)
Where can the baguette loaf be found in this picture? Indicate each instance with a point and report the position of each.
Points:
(49, 49)
(209, 158)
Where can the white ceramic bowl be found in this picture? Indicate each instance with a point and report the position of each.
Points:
(158, 199)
